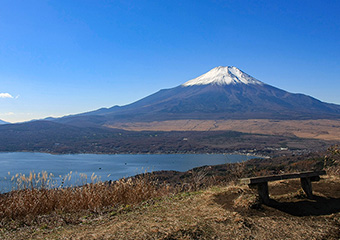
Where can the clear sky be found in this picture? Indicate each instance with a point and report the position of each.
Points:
(70, 56)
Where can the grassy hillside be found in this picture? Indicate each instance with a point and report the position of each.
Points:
(214, 213)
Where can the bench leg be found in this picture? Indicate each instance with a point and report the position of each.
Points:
(263, 192)
(262, 189)
(306, 185)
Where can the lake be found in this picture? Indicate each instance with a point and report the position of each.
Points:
(105, 166)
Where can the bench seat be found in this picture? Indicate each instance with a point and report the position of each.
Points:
(261, 183)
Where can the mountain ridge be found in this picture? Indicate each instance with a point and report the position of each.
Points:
(220, 94)
(3, 122)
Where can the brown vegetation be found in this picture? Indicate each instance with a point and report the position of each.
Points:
(28, 203)
(215, 213)
(318, 129)
(332, 160)
(44, 136)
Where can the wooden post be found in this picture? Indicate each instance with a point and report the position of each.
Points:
(306, 185)
(262, 189)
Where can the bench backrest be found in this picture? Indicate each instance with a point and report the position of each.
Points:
(256, 180)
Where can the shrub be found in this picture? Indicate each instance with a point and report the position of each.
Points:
(37, 194)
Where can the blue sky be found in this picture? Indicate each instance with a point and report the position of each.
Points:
(69, 56)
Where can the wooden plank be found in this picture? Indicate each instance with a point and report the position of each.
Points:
(255, 180)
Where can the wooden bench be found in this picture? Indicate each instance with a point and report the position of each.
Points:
(261, 183)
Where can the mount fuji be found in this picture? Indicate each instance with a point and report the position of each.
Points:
(222, 110)
(3, 122)
(223, 93)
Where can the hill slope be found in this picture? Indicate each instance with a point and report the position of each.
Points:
(216, 213)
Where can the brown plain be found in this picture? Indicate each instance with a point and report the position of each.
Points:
(318, 129)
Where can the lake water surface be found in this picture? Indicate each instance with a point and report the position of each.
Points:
(107, 167)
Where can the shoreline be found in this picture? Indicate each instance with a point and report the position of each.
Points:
(105, 166)
(150, 153)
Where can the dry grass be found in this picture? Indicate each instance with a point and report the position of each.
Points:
(41, 194)
(332, 160)
(246, 199)
(36, 195)
(215, 213)
(318, 129)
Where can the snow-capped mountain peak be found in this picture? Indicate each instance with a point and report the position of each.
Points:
(223, 76)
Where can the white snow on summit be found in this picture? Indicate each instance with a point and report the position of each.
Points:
(223, 76)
